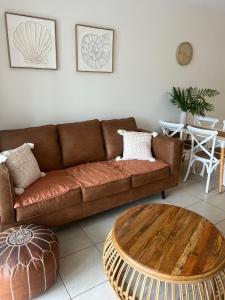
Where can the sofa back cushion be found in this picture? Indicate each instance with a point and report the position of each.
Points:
(114, 141)
(81, 142)
(46, 146)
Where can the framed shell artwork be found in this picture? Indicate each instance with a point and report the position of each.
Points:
(94, 49)
(31, 42)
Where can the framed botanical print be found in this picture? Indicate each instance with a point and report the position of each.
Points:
(31, 41)
(94, 49)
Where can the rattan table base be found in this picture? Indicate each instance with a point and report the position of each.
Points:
(130, 283)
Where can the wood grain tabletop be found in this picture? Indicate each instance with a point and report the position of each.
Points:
(169, 240)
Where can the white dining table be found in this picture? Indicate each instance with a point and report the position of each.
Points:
(221, 145)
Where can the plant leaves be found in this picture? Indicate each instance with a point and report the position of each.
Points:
(193, 100)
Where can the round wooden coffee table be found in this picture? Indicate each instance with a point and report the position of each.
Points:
(166, 252)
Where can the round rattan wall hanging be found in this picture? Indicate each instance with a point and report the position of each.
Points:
(184, 53)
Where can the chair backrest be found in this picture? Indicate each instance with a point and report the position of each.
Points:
(171, 129)
(200, 139)
(201, 121)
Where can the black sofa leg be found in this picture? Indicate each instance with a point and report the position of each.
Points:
(163, 194)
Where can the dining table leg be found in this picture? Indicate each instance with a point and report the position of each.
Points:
(222, 152)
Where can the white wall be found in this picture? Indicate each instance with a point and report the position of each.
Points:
(147, 34)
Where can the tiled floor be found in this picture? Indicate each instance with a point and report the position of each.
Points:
(81, 275)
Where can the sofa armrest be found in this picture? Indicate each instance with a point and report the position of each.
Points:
(169, 150)
(6, 196)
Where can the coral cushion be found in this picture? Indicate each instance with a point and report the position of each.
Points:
(54, 184)
(142, 171)
(99, 179)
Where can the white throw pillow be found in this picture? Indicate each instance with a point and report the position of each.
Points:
(22, 166)
(136, 145)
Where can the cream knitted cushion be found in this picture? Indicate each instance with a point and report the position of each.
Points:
(136, 145)
(22, 166)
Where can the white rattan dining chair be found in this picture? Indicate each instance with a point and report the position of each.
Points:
(172, 129)
(209, 122)
(200, 121)
(218, 145)
(200, 152)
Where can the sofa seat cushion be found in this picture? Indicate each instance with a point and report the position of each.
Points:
(55, 191)
(99, 179)
(54, 184)
(142, 171)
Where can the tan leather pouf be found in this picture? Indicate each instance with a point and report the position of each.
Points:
(29, 260)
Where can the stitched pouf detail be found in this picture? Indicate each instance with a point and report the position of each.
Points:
(29, 260)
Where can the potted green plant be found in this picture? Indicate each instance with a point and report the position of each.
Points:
(192, 100)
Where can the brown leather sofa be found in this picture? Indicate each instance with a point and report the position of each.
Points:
(83, 177)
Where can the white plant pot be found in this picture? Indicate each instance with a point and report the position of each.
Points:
(183, 117)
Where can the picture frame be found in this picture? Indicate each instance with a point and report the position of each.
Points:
(94, 49)
(32, 41)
